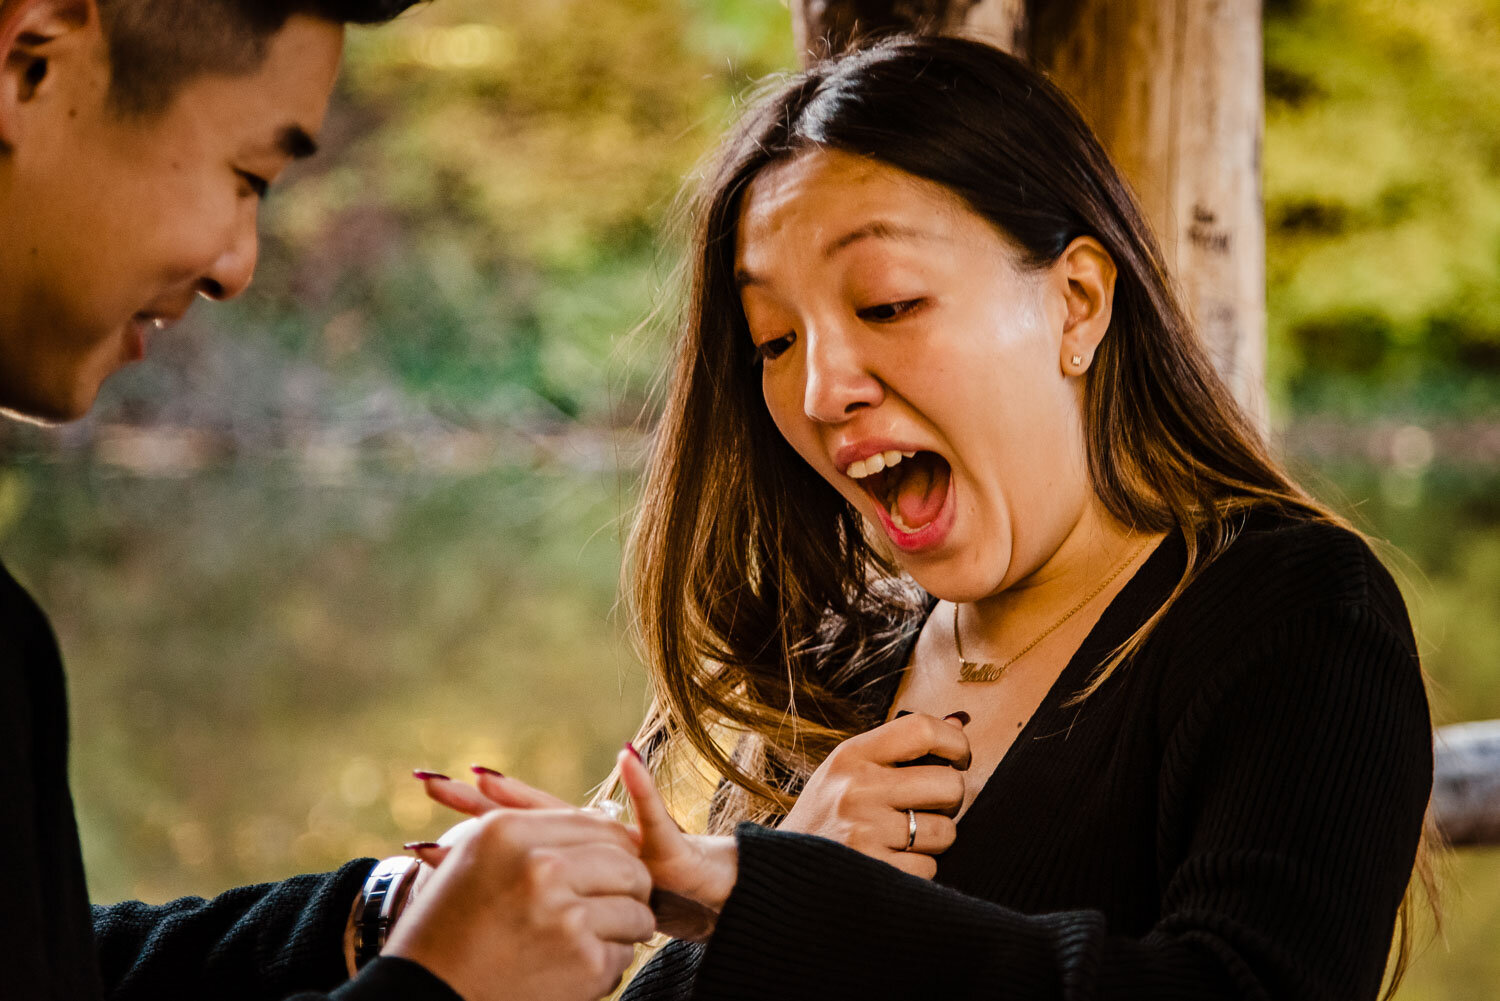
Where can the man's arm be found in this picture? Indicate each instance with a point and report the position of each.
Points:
(265, 941)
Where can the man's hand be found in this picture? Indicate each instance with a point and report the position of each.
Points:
(530, 905)
(693, 874)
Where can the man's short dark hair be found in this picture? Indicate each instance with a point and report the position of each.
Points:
(156, 46)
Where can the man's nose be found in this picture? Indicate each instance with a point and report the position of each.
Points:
(839, 380)
(232, 272)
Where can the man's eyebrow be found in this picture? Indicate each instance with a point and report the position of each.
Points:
(880, 229)
(294, 141)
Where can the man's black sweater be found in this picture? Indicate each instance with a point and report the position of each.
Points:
(1232, 815)
(257, 943)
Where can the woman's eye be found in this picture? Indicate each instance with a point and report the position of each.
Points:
(256, 183)
(774, 348)
(888, 311)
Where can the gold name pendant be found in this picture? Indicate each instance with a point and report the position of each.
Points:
(973, 671)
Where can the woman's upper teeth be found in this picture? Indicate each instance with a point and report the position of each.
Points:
(861, 468)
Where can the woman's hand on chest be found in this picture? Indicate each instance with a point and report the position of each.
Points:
(875, 793)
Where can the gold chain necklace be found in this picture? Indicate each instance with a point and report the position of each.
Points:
(983, 671)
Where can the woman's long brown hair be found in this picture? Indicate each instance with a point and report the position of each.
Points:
(765, 616)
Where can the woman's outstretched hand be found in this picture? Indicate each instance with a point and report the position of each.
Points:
(692, 875)
(861, 794)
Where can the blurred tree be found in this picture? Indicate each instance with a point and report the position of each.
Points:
(488, 224)
(1382, 173)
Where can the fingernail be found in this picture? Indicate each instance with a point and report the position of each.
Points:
(413, 846)
(631, 748)
(961, 716)
(903, 712)
(482, 770)
(424, 775)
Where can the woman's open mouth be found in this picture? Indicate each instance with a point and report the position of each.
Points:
(912, 492)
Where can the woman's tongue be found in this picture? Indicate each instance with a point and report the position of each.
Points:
(920, 494)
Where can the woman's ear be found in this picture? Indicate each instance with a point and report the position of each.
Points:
(1086, 274)
(34, 36)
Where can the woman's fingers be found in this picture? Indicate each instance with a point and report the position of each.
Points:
(458, 796)
(935, 833)
(492, 789)
(939, 788)
(506, 791)
(429, 851)
(912, 737)
(921, 866)
(660, 835)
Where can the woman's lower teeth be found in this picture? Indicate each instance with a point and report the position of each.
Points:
(896, 520)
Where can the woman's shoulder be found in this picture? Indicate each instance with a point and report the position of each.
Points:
(1298, 627)
(1277, 568)
(1288, 598)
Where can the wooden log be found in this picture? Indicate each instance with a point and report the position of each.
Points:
(1466, 786)
(1174, 90)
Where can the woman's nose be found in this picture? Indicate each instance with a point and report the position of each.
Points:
(838, 380)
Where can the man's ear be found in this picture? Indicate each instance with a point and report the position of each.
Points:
(34, 35)
(1086, 274)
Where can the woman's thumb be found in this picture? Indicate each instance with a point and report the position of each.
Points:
(659, 832)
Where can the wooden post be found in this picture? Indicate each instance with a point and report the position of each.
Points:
(1466, 790)
(1173, 88)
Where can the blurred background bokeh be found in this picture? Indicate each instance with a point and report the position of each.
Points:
(369, 517)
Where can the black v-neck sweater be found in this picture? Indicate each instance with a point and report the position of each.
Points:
(1234, 814)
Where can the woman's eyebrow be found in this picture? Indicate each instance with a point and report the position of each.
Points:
(878, 230)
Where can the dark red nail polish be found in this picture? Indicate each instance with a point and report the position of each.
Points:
(903, 712)
(961, 716)
(482, 770)
(631, 748)
(424, 775)
(412, 846)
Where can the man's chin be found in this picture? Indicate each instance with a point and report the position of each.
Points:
(47, 409)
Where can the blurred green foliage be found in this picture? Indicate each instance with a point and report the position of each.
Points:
(1382, 186)
(484, 228)
(487, 225)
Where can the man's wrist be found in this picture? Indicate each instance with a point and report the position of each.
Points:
(376, 908)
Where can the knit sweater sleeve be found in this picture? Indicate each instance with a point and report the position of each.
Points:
(1297, 777)
(261, 942)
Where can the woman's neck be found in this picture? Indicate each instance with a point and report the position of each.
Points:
(1078, 569)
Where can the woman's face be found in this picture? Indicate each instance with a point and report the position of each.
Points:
(916, 366)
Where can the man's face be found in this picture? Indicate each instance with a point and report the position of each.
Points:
(111, 225)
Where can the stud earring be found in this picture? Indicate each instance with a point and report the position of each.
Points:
(1077, 361)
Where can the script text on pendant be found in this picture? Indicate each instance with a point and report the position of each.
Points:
(974, 671)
